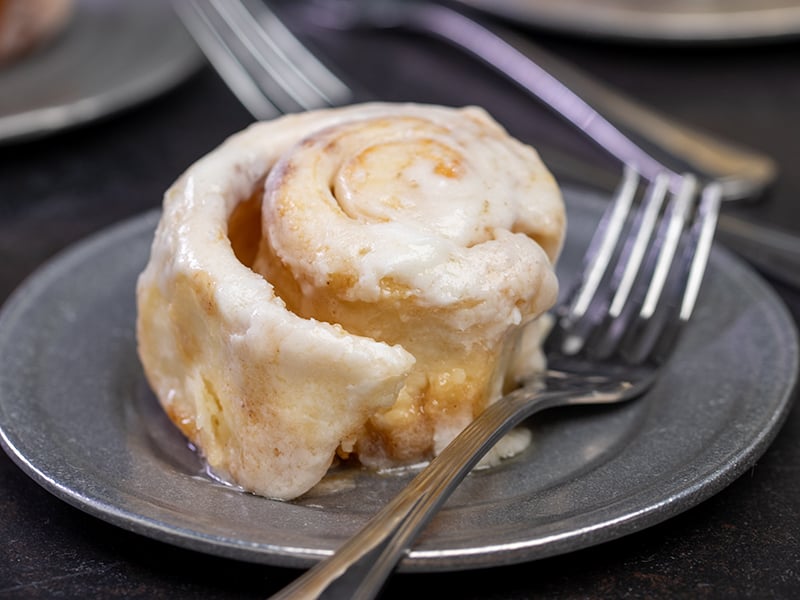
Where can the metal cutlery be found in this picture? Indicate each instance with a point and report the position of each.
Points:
(611, 337)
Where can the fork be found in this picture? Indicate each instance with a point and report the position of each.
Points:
(610, 339)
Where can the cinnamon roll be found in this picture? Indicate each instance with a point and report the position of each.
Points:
(348, 282)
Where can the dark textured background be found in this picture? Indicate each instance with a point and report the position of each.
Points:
(742, 543)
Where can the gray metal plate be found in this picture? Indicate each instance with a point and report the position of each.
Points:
(77, 415)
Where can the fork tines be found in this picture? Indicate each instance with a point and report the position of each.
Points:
(263, 63)
(642, 272)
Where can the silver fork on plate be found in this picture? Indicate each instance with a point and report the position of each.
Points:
(611, 336)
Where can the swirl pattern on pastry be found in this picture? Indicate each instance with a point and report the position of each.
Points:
(346, 281)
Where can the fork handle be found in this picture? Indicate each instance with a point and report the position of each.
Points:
(597, 110)
(359, 568)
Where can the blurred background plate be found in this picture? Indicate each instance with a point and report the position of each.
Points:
(656, 20)
(113, 55)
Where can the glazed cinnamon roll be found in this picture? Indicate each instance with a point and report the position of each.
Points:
(349, 282)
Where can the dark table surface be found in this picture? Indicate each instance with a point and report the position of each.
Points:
(744, 542)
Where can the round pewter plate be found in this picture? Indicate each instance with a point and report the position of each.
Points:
(77, 415)
(663, 21)
(112, 55)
